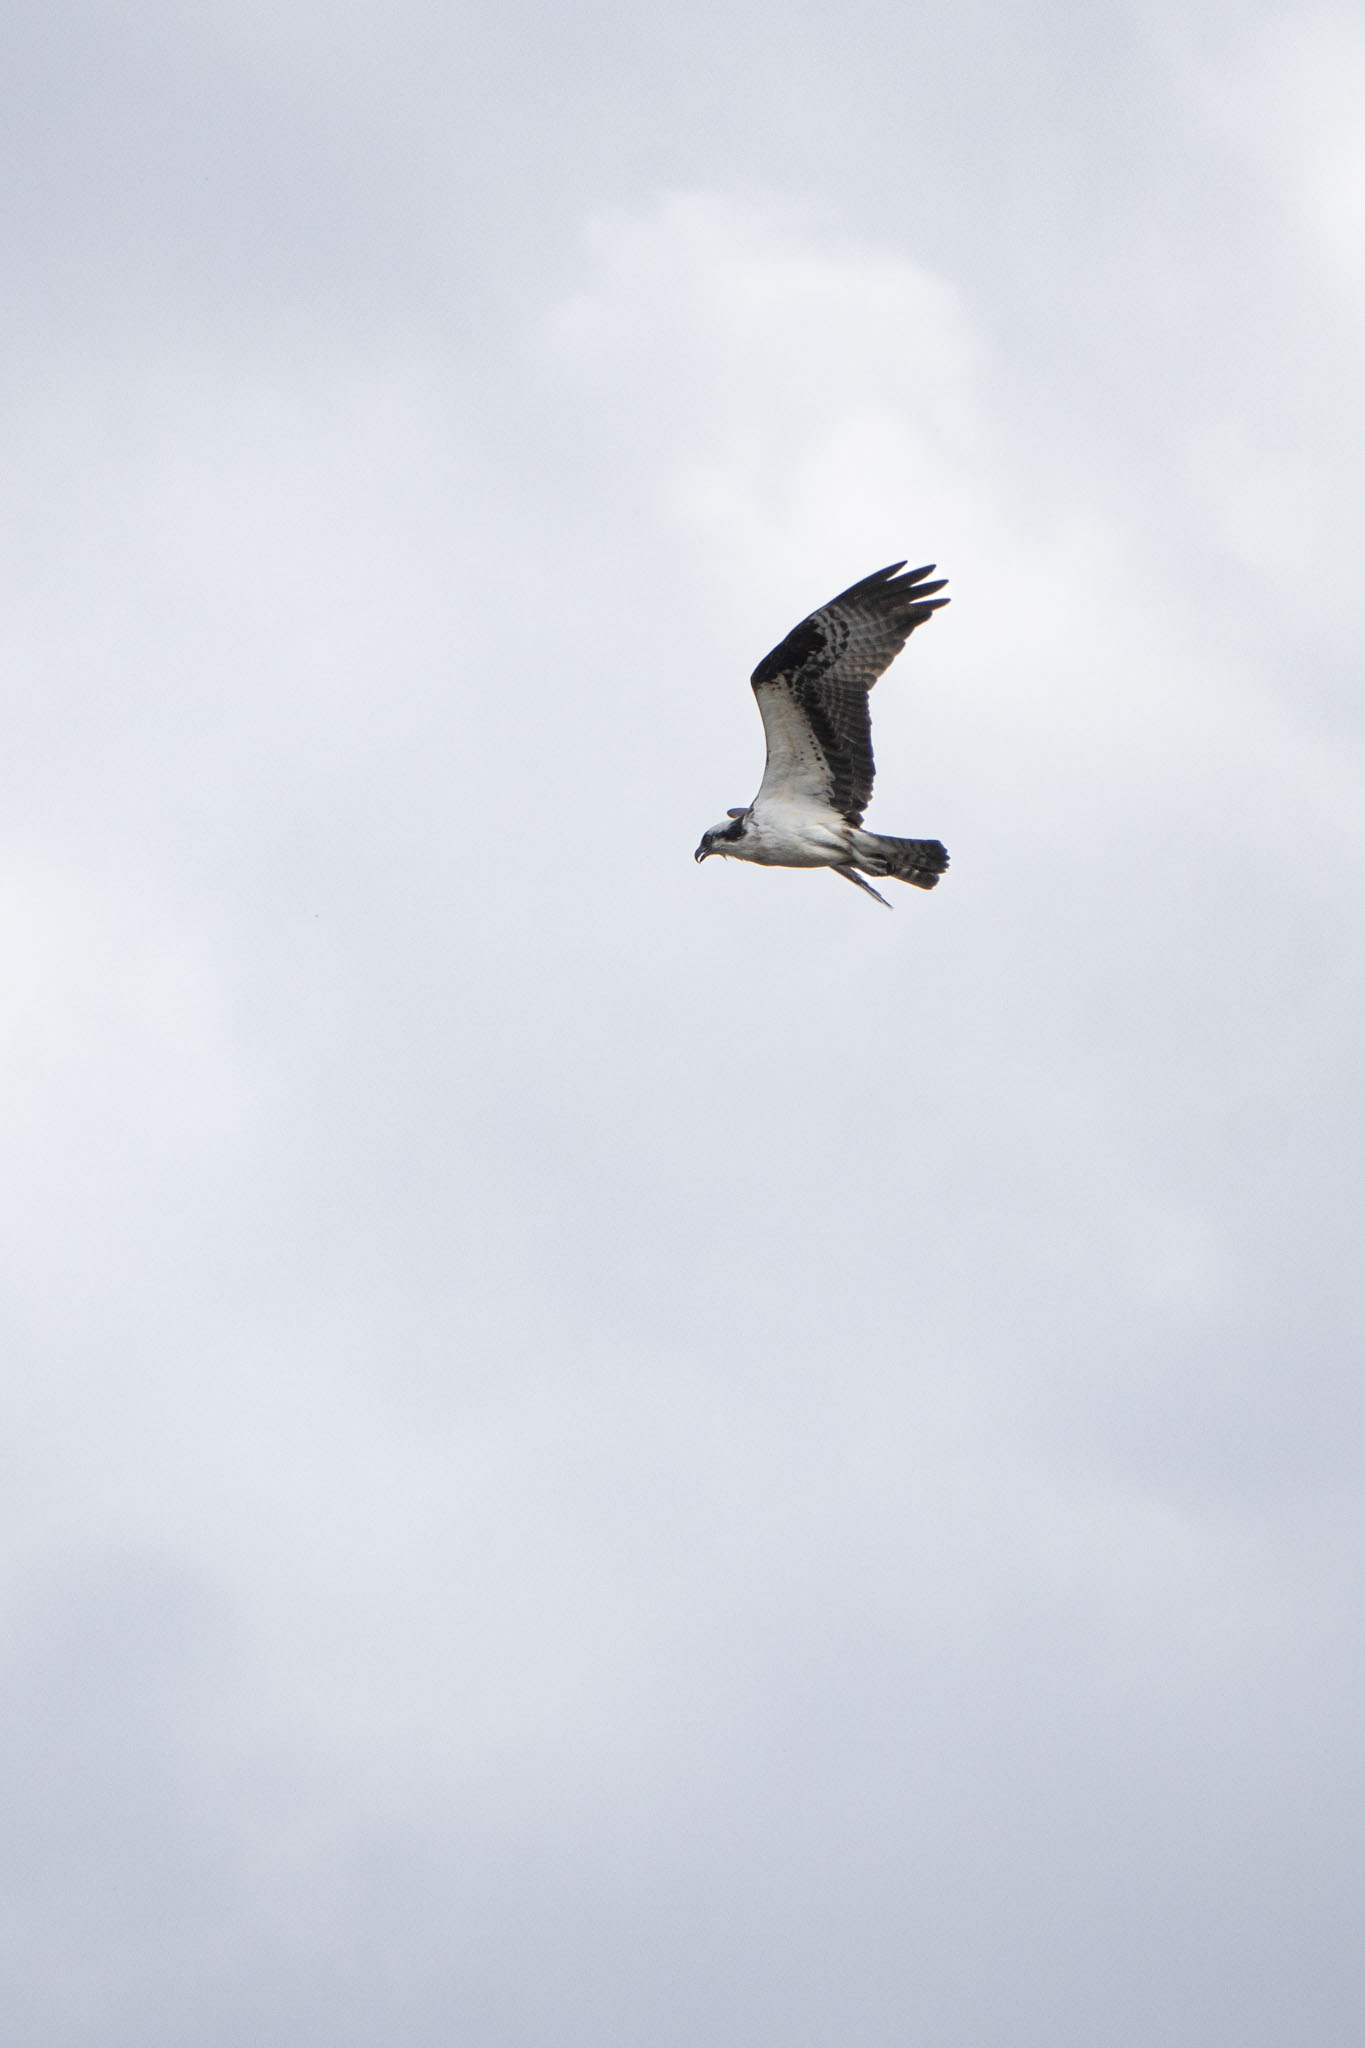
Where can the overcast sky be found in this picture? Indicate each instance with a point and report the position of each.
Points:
(604, 1454)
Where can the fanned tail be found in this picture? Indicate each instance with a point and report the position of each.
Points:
(918, 861)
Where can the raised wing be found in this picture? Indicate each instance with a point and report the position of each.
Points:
(812, 689)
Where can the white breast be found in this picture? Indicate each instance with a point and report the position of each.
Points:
(787, 833)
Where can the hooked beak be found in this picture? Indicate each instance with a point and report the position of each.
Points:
(703, 852)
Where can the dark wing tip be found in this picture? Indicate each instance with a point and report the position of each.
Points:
(890, 579)
(877, 580)
(904, 601)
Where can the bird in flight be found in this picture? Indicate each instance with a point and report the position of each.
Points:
(812, 693)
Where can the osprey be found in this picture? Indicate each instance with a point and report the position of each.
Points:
(812, 693)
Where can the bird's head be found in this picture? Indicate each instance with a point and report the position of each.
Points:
(722, 837)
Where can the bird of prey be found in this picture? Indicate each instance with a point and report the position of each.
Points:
(812, 692)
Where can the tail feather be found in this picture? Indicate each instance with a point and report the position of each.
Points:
(919, 861)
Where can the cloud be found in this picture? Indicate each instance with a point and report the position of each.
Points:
(602, 1451)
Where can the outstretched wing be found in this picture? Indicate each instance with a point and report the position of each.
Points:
(812, 690)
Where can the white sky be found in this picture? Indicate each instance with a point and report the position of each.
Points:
(598, 1453)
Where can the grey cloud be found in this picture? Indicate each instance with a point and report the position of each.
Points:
(598, 1452)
